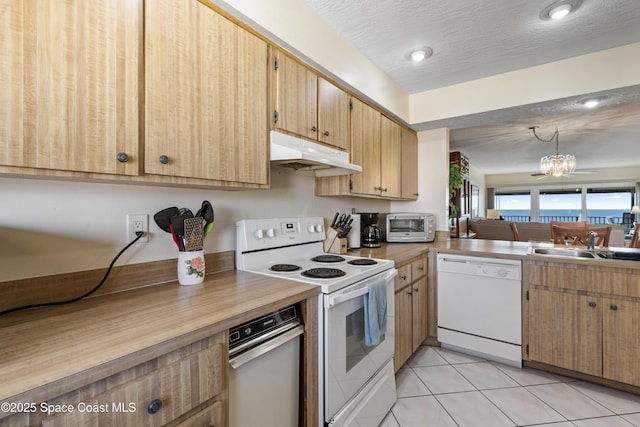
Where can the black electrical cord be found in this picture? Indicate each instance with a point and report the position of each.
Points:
(139, 234)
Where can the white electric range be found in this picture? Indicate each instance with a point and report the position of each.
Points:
(357, 382)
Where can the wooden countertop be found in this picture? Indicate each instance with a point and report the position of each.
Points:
(66, 347)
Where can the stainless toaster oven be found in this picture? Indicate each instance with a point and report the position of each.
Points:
(409, 227)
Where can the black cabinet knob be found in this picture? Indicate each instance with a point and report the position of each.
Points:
(613, 307)
(416, 289)
(403, 277)
(154, 406)
(326, 133)
(592, 304)
(314, 129)
(164, 159)
(122, 157)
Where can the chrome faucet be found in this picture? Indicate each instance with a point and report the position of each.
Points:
(591, 240)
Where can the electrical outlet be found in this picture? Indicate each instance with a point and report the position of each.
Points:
(137, 222)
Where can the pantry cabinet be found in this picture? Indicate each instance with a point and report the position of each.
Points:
(411, 304)
(308, 105)
(205, 95)
(69, 78)
(584, 318)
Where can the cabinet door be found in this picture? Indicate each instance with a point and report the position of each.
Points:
(365, 148)
(391, 158)
(404, 334)
(296, 98)
(621, 341)
(333, 115)
(409, 164)
(69, 79)
(420, 308)
(205, 94)
(565, 330)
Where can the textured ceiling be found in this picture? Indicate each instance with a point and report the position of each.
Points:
(472, 39)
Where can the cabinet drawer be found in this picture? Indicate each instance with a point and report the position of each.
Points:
(419, 268)
(404, 276)
(210, 416)
(175, 389)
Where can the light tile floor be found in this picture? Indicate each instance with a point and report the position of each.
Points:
(439, 387)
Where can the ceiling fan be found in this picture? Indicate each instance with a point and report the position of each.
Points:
(541, 175)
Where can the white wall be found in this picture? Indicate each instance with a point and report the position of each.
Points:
(50, 227)
(433, 178)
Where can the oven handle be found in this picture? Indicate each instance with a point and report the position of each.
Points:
(360, 291)
(247, 356)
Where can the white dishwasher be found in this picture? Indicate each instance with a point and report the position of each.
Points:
(480, 306)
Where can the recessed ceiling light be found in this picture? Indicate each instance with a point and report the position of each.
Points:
(591, 103)
(559, 9)
(420, 54)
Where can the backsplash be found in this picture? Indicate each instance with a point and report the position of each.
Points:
(52, 227)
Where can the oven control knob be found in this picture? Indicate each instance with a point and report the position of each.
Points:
(271, 232)
(311, 228)
(319, 228)
(259, 234)
(247, 331)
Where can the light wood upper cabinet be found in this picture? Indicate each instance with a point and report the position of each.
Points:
(365, 148)
(308, 105)
(391, 158)
(409, 164)
(205, 95)
(333, 115)
(69, 78)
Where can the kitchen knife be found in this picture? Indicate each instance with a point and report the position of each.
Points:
(335, 218)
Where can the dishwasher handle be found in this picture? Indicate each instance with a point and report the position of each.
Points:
(247, 356)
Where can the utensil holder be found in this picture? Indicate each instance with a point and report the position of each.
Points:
(191, 268)
(339, 246)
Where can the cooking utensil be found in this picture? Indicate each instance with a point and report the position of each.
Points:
(163, 218)
(176, 238)
(177, 226)
(193, 233)
(206, 212)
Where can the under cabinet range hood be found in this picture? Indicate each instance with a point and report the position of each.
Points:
(300, 154)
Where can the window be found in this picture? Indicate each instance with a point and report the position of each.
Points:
(560, 205)
(609, 205)
(514, 206)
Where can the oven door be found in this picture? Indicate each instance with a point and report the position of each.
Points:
(349, 363)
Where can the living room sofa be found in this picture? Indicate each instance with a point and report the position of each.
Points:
(490, 229)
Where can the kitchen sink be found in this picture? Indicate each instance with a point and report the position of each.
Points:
(577, 253)
(617, 254)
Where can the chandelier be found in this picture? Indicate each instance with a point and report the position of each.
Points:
(557, 164)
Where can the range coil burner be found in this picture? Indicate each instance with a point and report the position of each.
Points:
(284, 267)
(327, 258)
(363, 261)
(323, 273)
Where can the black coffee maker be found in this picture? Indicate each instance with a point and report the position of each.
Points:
(370, 232)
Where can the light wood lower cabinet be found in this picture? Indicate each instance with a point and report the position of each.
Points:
(585, 319)
(187, 387)
(411, 304)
